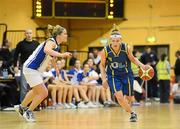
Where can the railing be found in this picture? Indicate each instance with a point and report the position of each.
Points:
(82, 55)
(41, 34)
(14, 36)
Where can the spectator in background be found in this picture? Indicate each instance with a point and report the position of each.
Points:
(90, 56)
(177, 66)
(8, 90)
(24, 49)
(135, 69)
(85, 81)
(93, 77)
(6, 54)
(96, 61)
(72, 73)
(64, 82)
(150, 58)
(1, 68)
(176, 92)
(97, 58)
(163, 72)
(73, 59)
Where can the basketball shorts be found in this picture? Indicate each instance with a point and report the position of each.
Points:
(124, 84)
(33, 77)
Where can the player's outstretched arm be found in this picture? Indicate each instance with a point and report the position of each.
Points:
(48, 49)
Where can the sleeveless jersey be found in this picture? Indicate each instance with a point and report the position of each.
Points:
(39, 59)
(117, 64)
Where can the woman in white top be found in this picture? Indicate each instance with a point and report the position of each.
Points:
(35, 65)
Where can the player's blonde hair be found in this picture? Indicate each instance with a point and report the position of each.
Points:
(55, 30)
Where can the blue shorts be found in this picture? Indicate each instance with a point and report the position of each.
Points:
(124, 84)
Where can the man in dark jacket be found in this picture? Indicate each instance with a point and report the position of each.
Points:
(177, 66)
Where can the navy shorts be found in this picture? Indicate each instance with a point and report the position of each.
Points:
(124, 84)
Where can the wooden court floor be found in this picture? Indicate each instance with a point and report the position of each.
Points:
(156, 116)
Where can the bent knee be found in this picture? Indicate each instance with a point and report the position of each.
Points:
(119, 96)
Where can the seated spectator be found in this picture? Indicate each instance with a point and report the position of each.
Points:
(48, 76)
(4, 72)
(8, 90)
(76, 68)
(73, 59)
(85, 81)
(93, 77)
(63, 82)
(79, 91)
(1, 68)
(176, 92)
(98, 90)
(6, 54)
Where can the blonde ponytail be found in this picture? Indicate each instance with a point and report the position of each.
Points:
(55, 30)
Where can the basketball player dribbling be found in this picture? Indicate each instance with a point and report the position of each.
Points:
(35, 65)
(116, 71)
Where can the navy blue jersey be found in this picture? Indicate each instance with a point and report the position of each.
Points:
(117, 64)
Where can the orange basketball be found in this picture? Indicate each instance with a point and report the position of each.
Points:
(146, 74)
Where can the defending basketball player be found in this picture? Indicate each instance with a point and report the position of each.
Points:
(35, 65)
(116, 70)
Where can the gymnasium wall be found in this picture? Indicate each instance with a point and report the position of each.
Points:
(165, 23)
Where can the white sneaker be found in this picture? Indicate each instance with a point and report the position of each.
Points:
(157, 99)
(20, 110)
(72, 105)
(52, 107)
(82, 105)
(59, 106)
(91, 105)
(98, 104)
(29, 116)
(66, 106)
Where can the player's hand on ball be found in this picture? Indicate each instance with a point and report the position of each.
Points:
(105, 84)
(144, 67)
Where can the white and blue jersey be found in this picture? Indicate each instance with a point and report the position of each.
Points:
(39, 59)
(74, 72)
(81, 76)
(61, 72)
